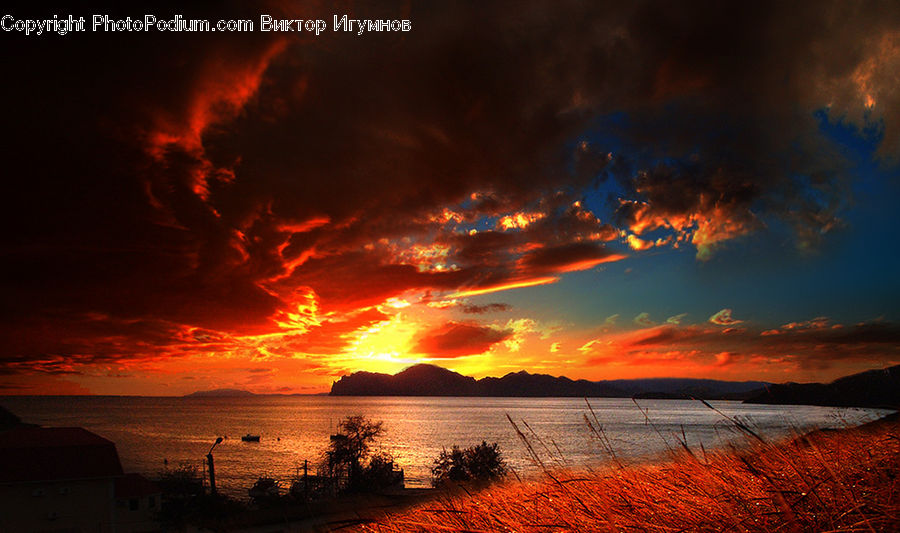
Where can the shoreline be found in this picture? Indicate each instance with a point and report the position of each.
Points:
(368, 511)
(651, 447)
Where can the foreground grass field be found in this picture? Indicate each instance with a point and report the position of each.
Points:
(844, 480)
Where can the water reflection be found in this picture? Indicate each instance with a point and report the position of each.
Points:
(148, 431)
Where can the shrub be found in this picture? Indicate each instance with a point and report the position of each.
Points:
(183, 481)
(481, 463)
(379, 473)
(350, 447)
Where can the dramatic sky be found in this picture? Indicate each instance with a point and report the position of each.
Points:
(591, 189)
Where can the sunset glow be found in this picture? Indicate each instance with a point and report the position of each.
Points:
(595, 191)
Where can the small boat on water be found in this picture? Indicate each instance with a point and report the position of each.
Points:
(250, 438)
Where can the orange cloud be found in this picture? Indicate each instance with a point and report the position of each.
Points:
(705, 210)
(638, 244)
(518, 220)
(505, 286)
(815, 323)
(746, 352)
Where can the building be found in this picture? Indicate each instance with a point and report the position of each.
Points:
(138, 500)
(69, 480)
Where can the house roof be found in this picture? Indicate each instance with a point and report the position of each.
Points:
(44, 454)
(135, 486)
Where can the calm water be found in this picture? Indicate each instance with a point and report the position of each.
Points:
(149, 430)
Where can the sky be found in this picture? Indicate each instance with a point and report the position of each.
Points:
(599, 190)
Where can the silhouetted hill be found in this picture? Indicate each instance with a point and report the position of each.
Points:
(430, 380)
(418, 380)
(524, 384)
(873, 388)
(8, 420)
(220, 393)
(686, 388)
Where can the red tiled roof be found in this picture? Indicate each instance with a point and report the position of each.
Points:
(43, 454)
(135, 486)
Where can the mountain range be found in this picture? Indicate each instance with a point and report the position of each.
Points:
(219, 393)
(430, 380)
(873, 388)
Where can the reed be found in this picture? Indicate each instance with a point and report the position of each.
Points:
(845, 480)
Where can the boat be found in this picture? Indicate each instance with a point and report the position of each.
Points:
(250, 438)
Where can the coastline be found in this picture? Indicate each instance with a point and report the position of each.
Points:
(294, 429)
(382, 512)
(470, 508)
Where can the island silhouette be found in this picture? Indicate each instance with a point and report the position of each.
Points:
(873, 388)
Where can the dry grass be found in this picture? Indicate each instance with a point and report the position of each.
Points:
(843, 480)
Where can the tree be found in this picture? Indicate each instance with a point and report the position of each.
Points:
(350, 447)
(379, 473)
(182, 482)
(482, 463)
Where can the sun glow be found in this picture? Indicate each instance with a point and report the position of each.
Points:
(507, 286)
(384, 345)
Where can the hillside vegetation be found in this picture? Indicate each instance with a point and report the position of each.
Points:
(844, 480)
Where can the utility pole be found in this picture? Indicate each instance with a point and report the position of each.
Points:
(305, 478)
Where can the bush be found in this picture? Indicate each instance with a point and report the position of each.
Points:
(481, 463)
(183, 481)
(184, 500)
(350, 447)
(379, 473)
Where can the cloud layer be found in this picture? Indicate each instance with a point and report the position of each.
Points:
(226, 188)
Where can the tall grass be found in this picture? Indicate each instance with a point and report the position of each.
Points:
(844, 480)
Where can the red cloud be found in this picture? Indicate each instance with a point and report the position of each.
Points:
(353, 280)
(457, 339)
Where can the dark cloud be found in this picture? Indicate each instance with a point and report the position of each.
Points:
(809, 347)
(575, 256)
(458, 339)
(490, 248)
(486, 308)
(874, 333)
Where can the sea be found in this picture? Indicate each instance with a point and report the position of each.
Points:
(153, 434)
